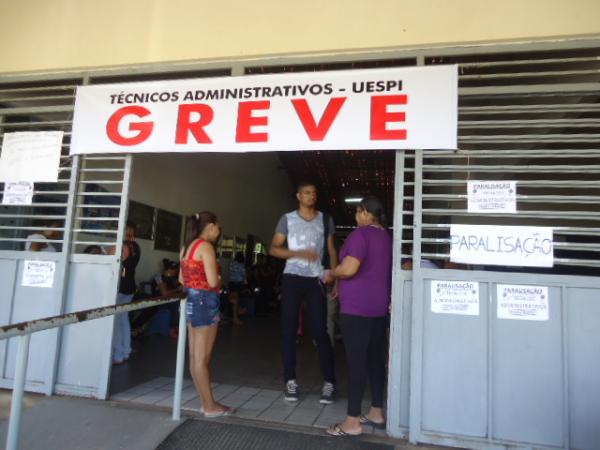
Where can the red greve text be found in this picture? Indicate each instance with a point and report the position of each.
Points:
(194, 118)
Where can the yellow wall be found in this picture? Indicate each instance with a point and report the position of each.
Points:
(59, 34)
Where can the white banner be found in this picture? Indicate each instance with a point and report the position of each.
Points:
(455, 297)
(522, 302)
(394, 108)
(492, 196)
(501, 245)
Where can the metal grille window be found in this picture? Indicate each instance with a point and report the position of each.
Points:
(533, 118)
(101, 187)
(339, 65)
(38, 106)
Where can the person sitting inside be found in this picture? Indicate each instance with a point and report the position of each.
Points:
(94, 250)
(51, 232)
(164, 284)
(407, 264)
(167, 283)
(237, 280)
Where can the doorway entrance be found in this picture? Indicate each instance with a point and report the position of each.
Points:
(248, 193)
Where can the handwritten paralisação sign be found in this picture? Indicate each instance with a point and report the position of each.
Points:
(18, 193)
(38, 274)
(502, 245)
(492, 196)
(455, 297)
(522, 302)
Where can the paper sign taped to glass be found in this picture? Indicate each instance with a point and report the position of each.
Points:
(38, 274)
(502, 245)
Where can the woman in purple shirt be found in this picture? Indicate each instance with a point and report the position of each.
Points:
(365, 274)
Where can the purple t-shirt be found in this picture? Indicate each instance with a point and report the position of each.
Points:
(368, 292)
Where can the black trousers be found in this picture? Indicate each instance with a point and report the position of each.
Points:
(364, 340)
(295, 290)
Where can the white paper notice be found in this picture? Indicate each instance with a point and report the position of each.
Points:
(39, 274)
(31, 156)
(18, 193)
(501, 245)
(492, 196)
(522, 302)
(455, 297)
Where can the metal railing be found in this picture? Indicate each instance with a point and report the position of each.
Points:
(24, 330)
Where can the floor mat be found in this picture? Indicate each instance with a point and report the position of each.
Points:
(196, 434)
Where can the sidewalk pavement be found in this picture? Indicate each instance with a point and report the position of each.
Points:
(67, 423)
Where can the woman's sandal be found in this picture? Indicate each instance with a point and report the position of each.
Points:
(213, 415)
(364, 420)
(336, 430)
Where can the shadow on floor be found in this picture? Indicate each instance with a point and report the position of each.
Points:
(246, 355)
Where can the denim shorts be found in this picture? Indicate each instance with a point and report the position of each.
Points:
(202, 308)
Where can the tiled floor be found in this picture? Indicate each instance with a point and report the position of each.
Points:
(249, 403)
(247, 355)
(246, 368)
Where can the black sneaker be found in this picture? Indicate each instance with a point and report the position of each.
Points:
(327, 393)
(291, 391)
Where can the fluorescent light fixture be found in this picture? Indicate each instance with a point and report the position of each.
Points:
(353, 199)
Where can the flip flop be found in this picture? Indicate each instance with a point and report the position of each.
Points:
(336, 430)
(364, 420)
(213, 415)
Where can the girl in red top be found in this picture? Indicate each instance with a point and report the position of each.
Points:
(200, 275)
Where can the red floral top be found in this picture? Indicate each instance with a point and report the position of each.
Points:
(194, 275)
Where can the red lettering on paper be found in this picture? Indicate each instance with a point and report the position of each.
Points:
(246, 121)
(317, 131)
(184, 126)
(144, 129)
(380, 117)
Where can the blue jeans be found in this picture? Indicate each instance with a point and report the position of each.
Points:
(121, 346)
(202, 308)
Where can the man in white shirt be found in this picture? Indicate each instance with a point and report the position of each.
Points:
(51, 232)
(308, 233)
